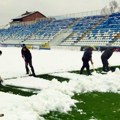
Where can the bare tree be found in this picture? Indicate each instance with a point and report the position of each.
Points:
(113, 6)
(105, 11)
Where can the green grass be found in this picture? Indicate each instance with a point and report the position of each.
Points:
(94, 105)
(98, 70)
(15, 90)
(102, 106)
(18, 90)
(50, 77)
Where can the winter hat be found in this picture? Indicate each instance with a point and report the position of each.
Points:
(23, 45)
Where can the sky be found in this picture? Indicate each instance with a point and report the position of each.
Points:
(51, 95)
(10, 9)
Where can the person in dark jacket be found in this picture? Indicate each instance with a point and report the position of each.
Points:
(87, 56)
(26, 54)
(0, 52)
(105, 56)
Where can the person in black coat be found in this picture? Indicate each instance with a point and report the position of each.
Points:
(26, 54)
(0, 52)
(87, 56)
(105, 56)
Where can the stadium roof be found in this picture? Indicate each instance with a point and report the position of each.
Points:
(27, 14)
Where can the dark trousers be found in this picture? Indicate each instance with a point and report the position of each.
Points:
(27, 68)
(85, 65)
(105, 64)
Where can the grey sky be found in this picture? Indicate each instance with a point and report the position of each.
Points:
(12, 8)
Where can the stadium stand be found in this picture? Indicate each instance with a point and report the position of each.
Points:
(97, 30)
